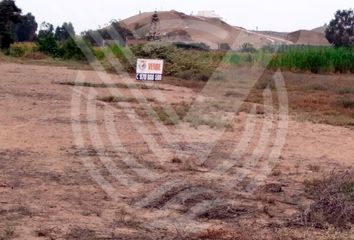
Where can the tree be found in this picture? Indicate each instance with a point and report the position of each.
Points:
(9, 15)
(64, 32)
(117, 32)
(45, 30)
(25, 31)
(71, 50)
(93, 37)
(340, 31)
(114, 32)
(46, 40)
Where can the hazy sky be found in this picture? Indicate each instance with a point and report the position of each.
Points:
(277, 15)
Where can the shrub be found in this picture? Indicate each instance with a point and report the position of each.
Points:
(192, 75)
(48, 45)
(125, 57)
(187, 64)
(99, 53)
(70, 49)
(22, 49)
(333, 201)
(248, 47)
(192, 46)
(233, 58)
(224, 47)
(155, 50)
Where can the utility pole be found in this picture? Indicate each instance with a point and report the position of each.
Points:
(154, 33)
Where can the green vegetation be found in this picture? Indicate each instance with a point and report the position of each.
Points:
(200, 64)
(70, 49)
(114, 32)
(9, 16)
(189, 61)
(186, 64)
(314, 59)
(340, 30)
(23, 49)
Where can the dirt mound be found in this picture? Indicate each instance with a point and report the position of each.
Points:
(305, 37)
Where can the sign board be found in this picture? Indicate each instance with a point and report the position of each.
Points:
(149, 70)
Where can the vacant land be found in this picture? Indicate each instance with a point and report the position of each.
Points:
(164, 179)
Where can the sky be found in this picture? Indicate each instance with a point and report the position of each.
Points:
(276, 15)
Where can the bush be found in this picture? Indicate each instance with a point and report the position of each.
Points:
(233, 58)
(99, 53)
(22, 49)
(192, 46)
(48, 45)
(187, 64)
(248, 47)
(193, 75)
(125, 57)
(71, 50)
(333, 201)
(224, 47)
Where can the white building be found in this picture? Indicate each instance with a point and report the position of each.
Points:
(208, 14)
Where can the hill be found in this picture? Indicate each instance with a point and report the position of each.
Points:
(179, 27)
(320, 29)
(305, 37)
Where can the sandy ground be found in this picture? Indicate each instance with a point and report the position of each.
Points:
(73, 167)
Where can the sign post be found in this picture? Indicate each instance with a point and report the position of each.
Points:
(149, 70)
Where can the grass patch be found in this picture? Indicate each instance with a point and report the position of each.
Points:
(314, 98)
(318, 87)
(170, 118)
(117, 99)
(8, 233)
(346, 90)
(314, 59)
(23, 49)
(346, 103)
(195, 119)
(232, 93)
(113, 85)
(333, 200)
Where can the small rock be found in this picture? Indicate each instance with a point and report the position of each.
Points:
(176, 160)
(273, 187)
